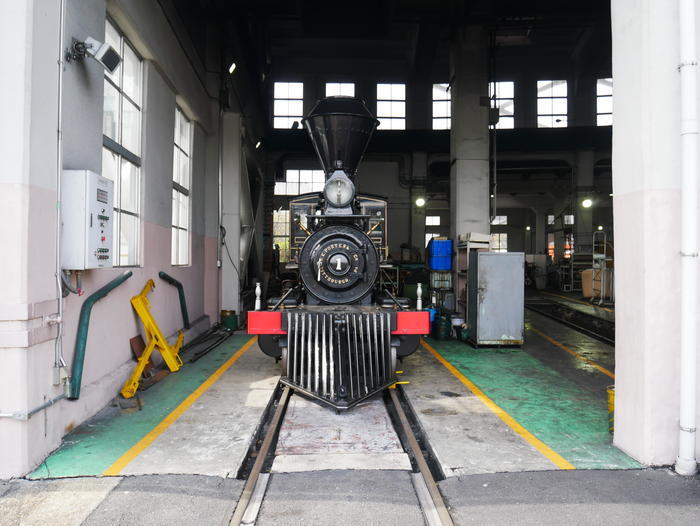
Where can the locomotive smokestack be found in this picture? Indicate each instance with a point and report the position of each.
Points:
(340, 129)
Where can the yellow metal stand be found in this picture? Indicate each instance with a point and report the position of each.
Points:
(155, 339)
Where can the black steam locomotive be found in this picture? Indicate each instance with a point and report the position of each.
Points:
(337, 334)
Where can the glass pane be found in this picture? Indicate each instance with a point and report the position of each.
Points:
(505, 89)
(441, 108)
(506, 107)
(283, 122)
(110, 165)
(131, 82)
(605, 104)
(306, 176)
(559, 88)
(398, 109)
(544, 121)
(318, 176)
(398, 124)
(184, 170)
(184, 211)
(184, 136)
(281, 107)
(605, 120)
(332, 88)
(305, 187)
(559, 106)
(296, 90)
(544, 106)
(131, 127)
(183, 247)
(604, 87)
(280, 188)
(383, 91)
(129, 187)
(440, 92)
(347, 89)
(560, 121)
(281, 90)
(398, 91)
(176, 163)
(110, 115)
(175, 207)
(173, 246)
(113, 39)
(128, 240)
(544, 88)
(292, 176)
(383, 108)
(506, 123)
(296, 108)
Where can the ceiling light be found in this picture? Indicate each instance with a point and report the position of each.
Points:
(493, 196)
(600, 227)
(527, 228)
(232, 67)
(587, 203)
(420, 202)
(257, 145)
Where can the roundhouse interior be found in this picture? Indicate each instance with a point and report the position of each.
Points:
(524, 216)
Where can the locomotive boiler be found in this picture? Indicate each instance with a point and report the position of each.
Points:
(336, 333)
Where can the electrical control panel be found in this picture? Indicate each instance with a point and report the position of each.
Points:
(87, 217)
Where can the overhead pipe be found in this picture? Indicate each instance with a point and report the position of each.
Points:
(181, 293)
(83, 326)
(686, 462)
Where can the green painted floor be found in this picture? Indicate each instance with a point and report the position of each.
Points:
(95, 445)
(568, 418)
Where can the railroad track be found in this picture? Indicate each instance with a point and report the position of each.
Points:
(598, 328)
(260, 457)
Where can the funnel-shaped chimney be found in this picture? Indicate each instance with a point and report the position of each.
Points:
(340, 129)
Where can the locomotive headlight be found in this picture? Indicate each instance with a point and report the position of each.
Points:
(339, 191)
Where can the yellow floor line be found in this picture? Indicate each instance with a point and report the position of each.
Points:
(176, 413)
(576, 301)
(531, 439)
(573, 353)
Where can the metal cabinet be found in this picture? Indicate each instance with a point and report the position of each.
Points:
(496, 297)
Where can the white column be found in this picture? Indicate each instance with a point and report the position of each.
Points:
(647, 204)
(231, 211)
(469, 139)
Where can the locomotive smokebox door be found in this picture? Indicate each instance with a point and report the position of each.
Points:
(338, 341)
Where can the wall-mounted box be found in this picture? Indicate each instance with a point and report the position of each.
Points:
(87, 217)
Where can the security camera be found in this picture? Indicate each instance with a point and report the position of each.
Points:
(102, 52)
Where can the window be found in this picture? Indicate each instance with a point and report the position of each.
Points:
(499, 242)
(121, 154)
(551, 104)
(550, 219)
(502, 97)
(499, 220)
(428, 237)
(182, 183)
(300, 182)
(432, 220)
(288, 104)
(550, 246)
(569, 219)
(604, 102)
(280, 233)
(391, 106)
(442, 107)
(346, 89)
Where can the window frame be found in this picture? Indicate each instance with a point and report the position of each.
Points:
(317, 182)
(564, 121)
(499, 220)
(288, 99)
(501, 103)
(340, 86)
(388, 122)
(180, 189)
(501, 239)
(285, 251)
(599, 97)
(441, 122)
(115, 147)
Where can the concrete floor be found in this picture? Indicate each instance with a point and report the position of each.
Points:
(350, 468)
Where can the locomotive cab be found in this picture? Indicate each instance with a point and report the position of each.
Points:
(336, 333)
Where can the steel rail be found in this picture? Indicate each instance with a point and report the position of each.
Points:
(423, 468)
(250, 483)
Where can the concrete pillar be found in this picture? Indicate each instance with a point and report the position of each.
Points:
(646, 188)
(419, 104)
(583, 226)
(231, 212)
(419, 164)
(540, 246)
(469, 140)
